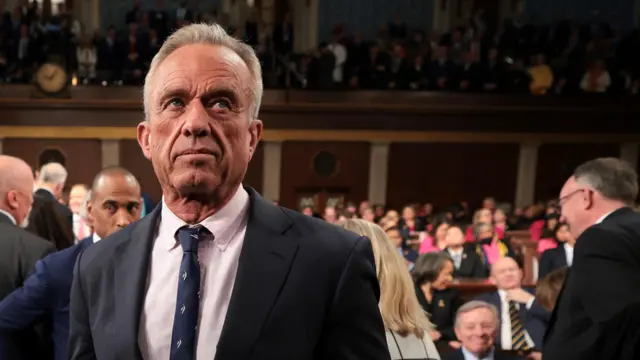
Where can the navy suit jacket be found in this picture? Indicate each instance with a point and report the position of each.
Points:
(45, 293)
(535, 319)
(305, 289)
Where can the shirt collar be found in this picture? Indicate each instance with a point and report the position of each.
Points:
(222, 224)
(503, 295)
(603, 217)
(469, 356)
(6, 213)
(567, 247)
(95, 237)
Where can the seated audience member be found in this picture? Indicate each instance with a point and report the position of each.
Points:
(433, 274)
(596, 79)
(330, 214)
(500, 222)
(466, 261)
(477, 326)
(369, 215)
(481, 216)
(435, 240)
(548, 288)
(541, 75)
(115, 203)
(561, 256)
(489, 246)
(550, 224)
(522, 319)
(407, 326)
(410, 225)
(409, 255)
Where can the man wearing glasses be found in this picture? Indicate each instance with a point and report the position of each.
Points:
(596, 202)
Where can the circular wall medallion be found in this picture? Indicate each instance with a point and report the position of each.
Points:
(325, 164)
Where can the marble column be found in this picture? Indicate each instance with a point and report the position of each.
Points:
(526, 178)
(110, 153)
(378, 172)
(271, 170)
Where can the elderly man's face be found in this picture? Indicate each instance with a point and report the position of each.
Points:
(477, 330)
(199, 136)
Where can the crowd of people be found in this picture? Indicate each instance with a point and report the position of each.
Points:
(560, 58)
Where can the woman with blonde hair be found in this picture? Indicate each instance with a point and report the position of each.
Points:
(407, 324)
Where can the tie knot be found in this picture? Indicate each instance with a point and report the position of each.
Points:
(189, 237)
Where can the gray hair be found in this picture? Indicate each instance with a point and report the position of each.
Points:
(209, 34)
(477, 304)
(53, 173)
(480, 227)
(615, 179)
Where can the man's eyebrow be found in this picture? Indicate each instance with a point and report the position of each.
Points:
(173, 93)
(221, 92)
(212, 93)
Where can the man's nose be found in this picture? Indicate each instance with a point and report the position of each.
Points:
(196, 121)
(123, 218)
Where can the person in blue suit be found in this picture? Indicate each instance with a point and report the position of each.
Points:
(523, 320)
(115, 202)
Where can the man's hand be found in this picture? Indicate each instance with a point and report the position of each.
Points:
(455, 344)
(519, 295)
(435, 335)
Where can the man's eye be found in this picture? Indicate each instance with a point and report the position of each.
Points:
(220, 104)
(176, 102)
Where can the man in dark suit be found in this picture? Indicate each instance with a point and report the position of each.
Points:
(603, 279)
(561, 256)
(477, 327)
(466, 261)
(19, 251)
(216, 271)
(46, 292)
(522, 320)
(51, 180)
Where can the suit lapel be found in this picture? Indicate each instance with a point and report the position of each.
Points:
(562, 255)
(465, 264)
(265, 261)
(131, 266)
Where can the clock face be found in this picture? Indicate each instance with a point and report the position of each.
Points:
(51, 78)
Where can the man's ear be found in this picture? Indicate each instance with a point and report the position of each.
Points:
(144, 137)
(255, 134)
(88, 210)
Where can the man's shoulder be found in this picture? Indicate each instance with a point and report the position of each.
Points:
(317, 232)
(103, 251)
(25, 237)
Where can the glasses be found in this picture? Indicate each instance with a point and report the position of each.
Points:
(561, 201)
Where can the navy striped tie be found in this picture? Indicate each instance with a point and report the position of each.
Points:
(185, 321)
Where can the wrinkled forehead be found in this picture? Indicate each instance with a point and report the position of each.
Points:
(479, 315)
(199, 68)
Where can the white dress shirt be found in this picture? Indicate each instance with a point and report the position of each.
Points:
(95, 238)
(568, 253)
(603, 217)
(456, 255)
(505, 320)
(469, 356)
(218, 254)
